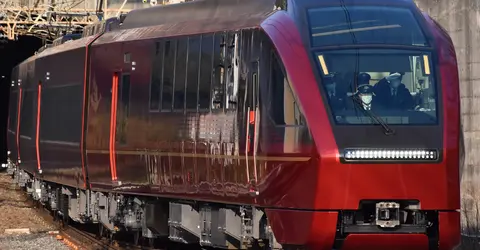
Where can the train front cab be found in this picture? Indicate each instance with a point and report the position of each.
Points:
(388, 133)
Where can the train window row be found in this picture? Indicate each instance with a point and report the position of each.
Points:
(202, 72)
(191, 73)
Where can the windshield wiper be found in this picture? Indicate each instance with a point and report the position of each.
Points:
(386, 128)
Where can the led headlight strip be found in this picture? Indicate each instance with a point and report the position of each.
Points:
(391, 154)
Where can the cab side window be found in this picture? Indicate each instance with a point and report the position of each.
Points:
(283, 108)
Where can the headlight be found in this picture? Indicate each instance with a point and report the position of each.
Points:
(393, 155)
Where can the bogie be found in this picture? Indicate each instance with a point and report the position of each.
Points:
(208, 225)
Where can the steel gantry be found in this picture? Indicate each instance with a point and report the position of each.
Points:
(48, 19)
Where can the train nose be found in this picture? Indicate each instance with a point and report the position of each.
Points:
(385, 241)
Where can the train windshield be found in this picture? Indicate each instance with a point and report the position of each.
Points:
(364, 25)
(397, 86)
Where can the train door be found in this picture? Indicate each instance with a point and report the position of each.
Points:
(17, 121)
(252, 63)
(113, 121)
(119, 115)
(37, 130)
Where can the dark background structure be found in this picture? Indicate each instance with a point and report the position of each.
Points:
(11, 53)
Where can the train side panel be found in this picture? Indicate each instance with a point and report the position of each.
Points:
(132, 130)
(106, 60)
(189, 136)
(13, 115)
(61, 74)
(28, 156)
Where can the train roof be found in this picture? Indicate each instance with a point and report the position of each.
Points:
(308, 3)
(199, 10)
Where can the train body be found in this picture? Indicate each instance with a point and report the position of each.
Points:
(215, 122)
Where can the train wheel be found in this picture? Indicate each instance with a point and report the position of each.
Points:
(101, 231)
(65, 220)
(111, 238)
(63, 224)
(151, 242)
(136, 237)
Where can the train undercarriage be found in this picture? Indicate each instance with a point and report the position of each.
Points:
(188, 222)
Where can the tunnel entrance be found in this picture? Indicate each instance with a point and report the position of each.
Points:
(11, 54)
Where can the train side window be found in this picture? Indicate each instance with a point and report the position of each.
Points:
(156, 80)
(283, 108)
(168, 74)
(219, 71)
(206, 60)
(180, 69)
(192, 72)
(124, 93)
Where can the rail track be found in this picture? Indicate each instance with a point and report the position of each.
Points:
(85, 237)
(88, 237)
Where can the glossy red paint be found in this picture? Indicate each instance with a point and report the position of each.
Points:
(343, 186)
(385, 241)
(166, 164)
(313, 229)
(449, 231)
(449, 221)
(104, 61)
(86, 75)
(348, 184)
(451, 112)
(60, 153)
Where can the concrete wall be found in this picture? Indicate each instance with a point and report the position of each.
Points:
(461, 18)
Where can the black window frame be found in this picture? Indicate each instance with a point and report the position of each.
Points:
(178, 71)
(158, 48)
(273, 56)
(197, 77)
(173, 47)
(216, 38)
(211, 36)
(121, 95)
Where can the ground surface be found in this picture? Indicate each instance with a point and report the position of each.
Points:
(17, 213)
(38, 241)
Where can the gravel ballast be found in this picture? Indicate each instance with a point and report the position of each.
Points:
(17, 213)
(39, 241)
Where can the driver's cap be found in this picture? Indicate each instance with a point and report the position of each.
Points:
(365, 89)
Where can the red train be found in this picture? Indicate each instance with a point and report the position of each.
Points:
(289, 124)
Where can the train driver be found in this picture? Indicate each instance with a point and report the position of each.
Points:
(391, 93)
(364, 89)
